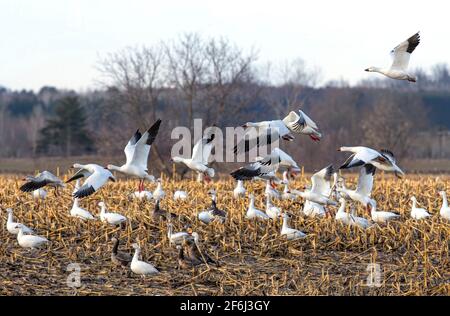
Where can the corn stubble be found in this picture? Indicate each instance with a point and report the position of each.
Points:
(413, 256)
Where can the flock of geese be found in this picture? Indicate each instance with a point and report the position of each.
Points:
(327, 187)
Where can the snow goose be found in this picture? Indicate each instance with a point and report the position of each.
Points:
(262, 168)
(350, 219)
(384, 159)
(445, 209)
(180, 195)
(158, 193)
(30, 241)
(45, 178)
(13, 227)
(239, 190)
(39, 194)
(381, 217)
(272, 211)
(287, 164)
(320, 190)
(287, 194)
(312, 209)
(290, 233)
(141, 267)
(416, 212)
(271, 190)
(114, 219)
(401, 55)
(78, 212)
(96, 177)
(364, 187)
(119, 258)
(213, 212)
(200, 155)
(253, 212)
(266, 132)
(175, 238)
(136, 153)
(142, 195)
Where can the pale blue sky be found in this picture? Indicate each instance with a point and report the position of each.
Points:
(50, 42)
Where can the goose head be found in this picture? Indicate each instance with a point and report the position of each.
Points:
(370, 69)
(136, 246)
(101, 204)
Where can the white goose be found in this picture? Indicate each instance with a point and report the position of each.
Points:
(213, 212)
(78, 212)
(350, 219)
(110, 218)
(253, 212)
(287, 163)
(175, 238)
(364, 187)
(136, 153)
(30, 241)
(290, 233)
(321, 187)
(266, 132)
(272, 211)
(445, 209)
(401, 54)
(159, 193)
(200, 156)
(141, 267)
(239, 190)
(142, 195)
(417, 212)
(271, 190)
(180, 195)
(313, 209)
(39, 194)
(45, 178)
(383, 160)
(381, 217)
(14, 227)
(96, 177)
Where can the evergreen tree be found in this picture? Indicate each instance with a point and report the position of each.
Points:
(66, 130)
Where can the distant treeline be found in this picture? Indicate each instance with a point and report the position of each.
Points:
(213, 79)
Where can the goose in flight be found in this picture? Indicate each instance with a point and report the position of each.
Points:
(136, 153)
(267, 132)
(401, 55)
(96, 177)
(263, 168)
(383, 159)
(364, 187)
(200, 155)
(445, 209)
(45, 178)
(321, 188)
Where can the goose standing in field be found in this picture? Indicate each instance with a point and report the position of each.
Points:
(381, 217)
(14, 227)
(141, 267)
(158, 213)
(194, 251)
(417, 212)
(96, 177)
(39, 194)
(213, 212)
(290, 233)
(29, 241)
(321, 188)
(313, 209)
(119, 258)
(142, 195)
(267, 132)
(78, 212)
(383, 160)
(272, 211)
(262, 168)
(350, 219)
(137, 151)
(45, 178)
(401, 55)
(253, 212)
(180, 195)
(445, 209)
(158, 193)
(114, 219)
(175, 238)
(200, 155)
(239, 190)
(364, 187)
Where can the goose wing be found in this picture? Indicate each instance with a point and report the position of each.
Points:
(202, 149)
(365, 180)
(321, 180)
(143, 145)
(402, 52)
(259, 168)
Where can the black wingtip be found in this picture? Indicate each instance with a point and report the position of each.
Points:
(153, 132)
(370, 169)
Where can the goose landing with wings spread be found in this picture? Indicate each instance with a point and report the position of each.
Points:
(401, 55)
(267, 132)
(96, 177)
(136, 153)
